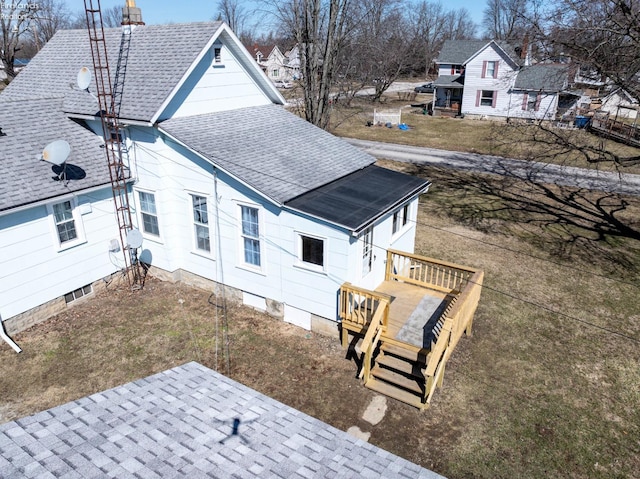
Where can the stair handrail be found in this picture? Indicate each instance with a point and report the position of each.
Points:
(376, 327)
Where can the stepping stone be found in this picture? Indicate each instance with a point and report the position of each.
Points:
(356, 432)
(375, 410)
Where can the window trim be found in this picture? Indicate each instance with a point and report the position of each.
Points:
(194, 225)
(400, 219)
(299, 262)
(526, 101)
(241, 263)
(486, 71)
(145, 233)
(77, 224)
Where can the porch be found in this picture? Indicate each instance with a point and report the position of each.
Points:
(403, 333)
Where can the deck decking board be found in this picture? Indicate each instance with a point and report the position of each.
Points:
(405, 299)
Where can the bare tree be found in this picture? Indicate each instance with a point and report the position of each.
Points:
(112, 17)
(457, 25)
(51, 16)
(232, 12)
(15, 19)
(320, 28)
(603, 37)
(506, 19)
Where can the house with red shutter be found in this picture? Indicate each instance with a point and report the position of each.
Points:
(493, 79)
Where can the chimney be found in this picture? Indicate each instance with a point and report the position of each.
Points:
(131, 15)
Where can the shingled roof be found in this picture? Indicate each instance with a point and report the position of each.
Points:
(28, 126)
(192, 422)
(297, 158)
(458, 52)
(159, 57)
(542, 76)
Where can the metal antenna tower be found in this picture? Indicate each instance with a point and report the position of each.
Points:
(111, 129)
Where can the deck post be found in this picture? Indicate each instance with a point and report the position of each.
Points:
(388, 266)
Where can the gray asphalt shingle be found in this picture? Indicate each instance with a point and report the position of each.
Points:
(457, 52)
(541, 76)
(188, 421)
(29, 126)
(159, 56)
(296, 157)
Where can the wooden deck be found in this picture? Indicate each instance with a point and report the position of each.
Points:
(409, 301)
(407, 329)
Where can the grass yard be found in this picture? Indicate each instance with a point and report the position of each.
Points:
(548, 386)
(530, 142)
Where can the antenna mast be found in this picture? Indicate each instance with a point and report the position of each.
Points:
(112, 134)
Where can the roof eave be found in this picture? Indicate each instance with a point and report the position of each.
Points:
(422, 189)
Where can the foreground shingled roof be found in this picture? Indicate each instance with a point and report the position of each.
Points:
(191, 422)
(297, 157)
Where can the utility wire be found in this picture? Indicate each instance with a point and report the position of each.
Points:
(266, 174)
(492, 244)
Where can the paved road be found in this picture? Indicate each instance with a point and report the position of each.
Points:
(531, 171)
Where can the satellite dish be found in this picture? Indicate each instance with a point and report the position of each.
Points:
(84, 78)
(56, 152)
(134, 238)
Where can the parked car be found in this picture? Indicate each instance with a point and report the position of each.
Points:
(282, 84)
(426, 88)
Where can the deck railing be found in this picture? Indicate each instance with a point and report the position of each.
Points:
(457, 319)
(426, 272)
(358, 305)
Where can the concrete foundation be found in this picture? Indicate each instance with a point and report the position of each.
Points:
(229, 294)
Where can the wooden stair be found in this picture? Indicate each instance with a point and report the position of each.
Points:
(398, 373)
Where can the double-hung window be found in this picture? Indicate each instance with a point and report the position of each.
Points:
(250, 235)
(486, 98)
(490, 69)
(532, 101)
(201, 223)
(149, 213)
(65, 222)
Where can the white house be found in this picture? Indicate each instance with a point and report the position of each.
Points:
(273, 62)
(619, 103)
(493, 79)
(281, 224)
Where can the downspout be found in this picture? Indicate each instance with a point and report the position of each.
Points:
(7, 339)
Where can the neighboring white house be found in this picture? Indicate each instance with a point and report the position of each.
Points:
(493, 79)
(273, 62)
(283, 224)
(619, 103)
